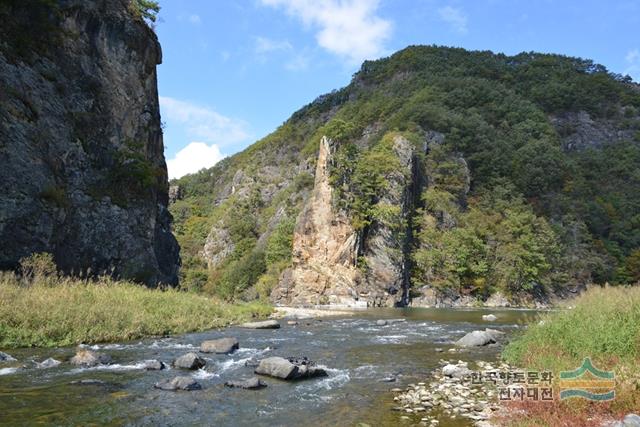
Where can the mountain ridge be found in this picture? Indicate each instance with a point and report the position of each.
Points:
(524, 132)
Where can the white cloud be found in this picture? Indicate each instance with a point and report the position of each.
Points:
(455, 17)
(347, 28)
(265, 45)
(195, 19)
(202, 123)
(633, 64)
(192, 158)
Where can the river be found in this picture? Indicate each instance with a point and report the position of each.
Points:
(358, 353)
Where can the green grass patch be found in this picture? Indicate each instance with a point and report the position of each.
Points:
(61, 311)
(603, 324)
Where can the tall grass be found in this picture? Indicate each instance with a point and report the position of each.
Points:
(603, 324)
(58, 311)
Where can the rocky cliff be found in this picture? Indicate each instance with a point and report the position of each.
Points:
(325, 249)
(335, 264)
(83, 172)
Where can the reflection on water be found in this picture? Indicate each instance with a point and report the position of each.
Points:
(361, 358)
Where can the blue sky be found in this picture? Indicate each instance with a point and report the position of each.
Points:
(233, 71)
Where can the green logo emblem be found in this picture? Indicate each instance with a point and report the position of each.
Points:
(587, 382)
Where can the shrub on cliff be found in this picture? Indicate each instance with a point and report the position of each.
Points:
(145, 9)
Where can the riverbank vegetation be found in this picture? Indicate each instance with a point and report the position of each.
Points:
(42, 309)
(603, 324)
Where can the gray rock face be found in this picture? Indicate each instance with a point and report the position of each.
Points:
(81, 159)
(249, 384)
(265, 324)
(4, 357)
(154, 365)
(385, 249)
(220, 346)
(48, 363)
(88, 358)
(178, 383)
(279, 367)
(580, 131)
(189, 361)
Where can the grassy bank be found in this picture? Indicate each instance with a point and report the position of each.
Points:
(603, 324)
(55, 311)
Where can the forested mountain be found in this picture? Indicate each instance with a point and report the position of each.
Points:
(445, 177)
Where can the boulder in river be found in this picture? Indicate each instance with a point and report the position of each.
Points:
(381, 322)
(265, 324)
(178, 383)
(489, 318)
(90, 358)
(4, 357)
(289, 369)
(189, 361)
(249, 384)
(480, 338)
(220, 346)
(252, 363)
(48, 363)
(154, 365)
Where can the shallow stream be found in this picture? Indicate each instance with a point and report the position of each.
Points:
(360, 356)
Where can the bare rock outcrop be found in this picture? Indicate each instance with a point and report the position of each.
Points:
(324, 249)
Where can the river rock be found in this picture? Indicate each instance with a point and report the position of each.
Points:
(249, 384)
(291, 369)
(189, 361)
(153, 365)
(178, 383)
(4, 357)
(292, 322)
(265, 324)
(489, 318)
(277, 367)
(48, 363)
(456, 371)
(381, 322)
(252, 363)
(220, 346)
(90, 358)
(494, 334)
(480, 338)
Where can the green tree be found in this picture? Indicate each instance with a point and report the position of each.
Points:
(146, 9)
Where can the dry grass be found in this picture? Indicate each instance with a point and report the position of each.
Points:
(59, 311)
(603, 324)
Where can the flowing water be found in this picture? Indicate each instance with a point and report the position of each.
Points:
(359, 355)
